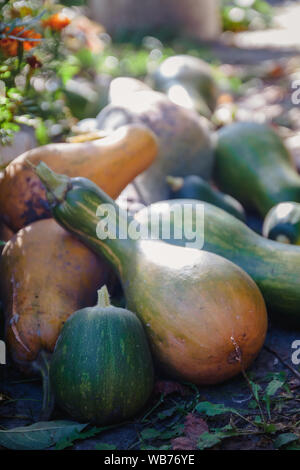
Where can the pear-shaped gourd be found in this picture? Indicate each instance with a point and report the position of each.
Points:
(184, 143)
(275, 267)
(23, 197)
(101, 370)
(120, 87)
(187, 81)
(205, 318)
(254, 166)
(46, 274)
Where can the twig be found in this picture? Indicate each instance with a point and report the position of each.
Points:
(286, 364)
(239, 358)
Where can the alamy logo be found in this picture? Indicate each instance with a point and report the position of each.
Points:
(296, 93)
(296, 354)
(2, 353)
(183, 222)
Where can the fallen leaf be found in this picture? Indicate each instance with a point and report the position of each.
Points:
(167, 387)
(284, 439)
(38, 436)
(104, 446)
(193, 428)
(212, 409)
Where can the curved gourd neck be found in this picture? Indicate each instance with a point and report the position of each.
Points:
(100, 222)
(183, 93)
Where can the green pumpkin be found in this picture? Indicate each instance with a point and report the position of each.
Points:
(101, 370)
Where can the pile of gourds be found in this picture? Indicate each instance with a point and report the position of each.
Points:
(198, 315)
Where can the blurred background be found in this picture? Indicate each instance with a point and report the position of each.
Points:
(63, 75)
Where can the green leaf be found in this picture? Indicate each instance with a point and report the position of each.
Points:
(67, 71)
(41, 134)
(104, 446)
(294, 446)
(38, 436)
(168, 413)
(252, 405)
(150, 433)
(255, 389)
(212, 409)
(69, 440)
(270, 428)
(273, 387)
(207, 440)
(71, 3)
(285, 439)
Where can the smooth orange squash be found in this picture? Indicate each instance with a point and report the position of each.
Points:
(46, 275)
(111, 162)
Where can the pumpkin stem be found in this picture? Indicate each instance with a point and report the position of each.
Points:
(57, 185)
(174, 183)
(103, 297)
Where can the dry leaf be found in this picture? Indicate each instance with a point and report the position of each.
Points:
(194, 426)
(167, 387)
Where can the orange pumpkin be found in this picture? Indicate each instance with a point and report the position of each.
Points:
(46, 275)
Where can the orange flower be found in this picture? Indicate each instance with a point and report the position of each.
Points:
(57, 22)
(9, 44)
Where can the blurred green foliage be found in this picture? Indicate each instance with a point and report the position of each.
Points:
(240, 15)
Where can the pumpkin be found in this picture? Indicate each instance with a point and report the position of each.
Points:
(184, 141)
(101, 370)
(46, 274)
(112, 162)
(205, 318)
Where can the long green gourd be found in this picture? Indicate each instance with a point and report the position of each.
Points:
(205, 317)
(275, 267)
(253, 165)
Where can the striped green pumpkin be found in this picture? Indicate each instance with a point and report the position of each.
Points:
(101, 370)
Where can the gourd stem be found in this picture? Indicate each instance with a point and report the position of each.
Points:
(57, 185)
(174, 182)
(103, 297)
(43, 365)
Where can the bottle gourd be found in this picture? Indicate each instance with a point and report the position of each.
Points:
(205, 318)
(275, 267)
